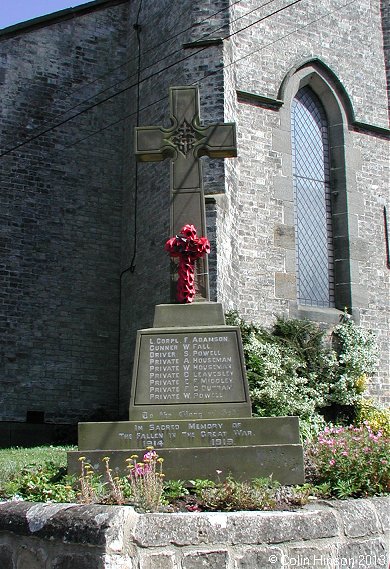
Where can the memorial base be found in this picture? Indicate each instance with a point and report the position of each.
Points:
(244, 448)
(283, 462)
(190, 402)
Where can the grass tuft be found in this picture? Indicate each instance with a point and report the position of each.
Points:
(13, 460)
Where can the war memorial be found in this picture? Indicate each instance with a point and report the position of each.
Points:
(189, 395)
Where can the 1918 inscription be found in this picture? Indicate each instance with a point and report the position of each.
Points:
(190, 367)
(193, 433)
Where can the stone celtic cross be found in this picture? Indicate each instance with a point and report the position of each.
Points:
(184, 143)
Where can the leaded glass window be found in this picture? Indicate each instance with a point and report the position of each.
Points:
(313, 222)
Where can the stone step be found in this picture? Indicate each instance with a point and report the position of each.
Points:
(283, 462)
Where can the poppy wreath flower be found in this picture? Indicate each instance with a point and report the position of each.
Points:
(188, 247)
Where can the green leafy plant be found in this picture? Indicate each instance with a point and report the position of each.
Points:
(174, 489)
(352, 461)
(296, 368)
(43, 483)
(200, 484)
(376, 417)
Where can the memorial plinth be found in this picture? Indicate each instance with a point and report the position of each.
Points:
(190, 401)
(203, 368)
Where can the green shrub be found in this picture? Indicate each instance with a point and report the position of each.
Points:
(295, 369)
(376, 417)
(44, 483)
(357, 355)
(281, 367)
(351, 461)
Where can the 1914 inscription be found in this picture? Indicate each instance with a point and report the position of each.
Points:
(190, 433)
(190, 367)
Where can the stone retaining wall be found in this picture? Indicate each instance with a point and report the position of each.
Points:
(352, 533)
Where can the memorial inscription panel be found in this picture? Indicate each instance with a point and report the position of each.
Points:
(184, 434)
(188, 368)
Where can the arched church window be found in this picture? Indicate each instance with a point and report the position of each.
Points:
(312, 200)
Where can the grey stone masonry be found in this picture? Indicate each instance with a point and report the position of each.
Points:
(274, 51)
(60, 215)
(352, 533)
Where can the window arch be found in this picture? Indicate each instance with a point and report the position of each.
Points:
(312, 200)
(312, 90)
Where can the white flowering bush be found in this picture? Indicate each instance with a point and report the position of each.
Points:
(278, 384)
(295, 370)
(357, 360)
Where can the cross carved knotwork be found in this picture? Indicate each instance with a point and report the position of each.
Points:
(184, 138)
(184, 143)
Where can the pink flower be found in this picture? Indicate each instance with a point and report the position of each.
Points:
(150, 455)
(332, 462)
(193, 508)
(138, 470)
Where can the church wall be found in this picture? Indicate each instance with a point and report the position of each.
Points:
(145, 266)
(373, 275)
(255, 221)
(61, 217)
(70, 335)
